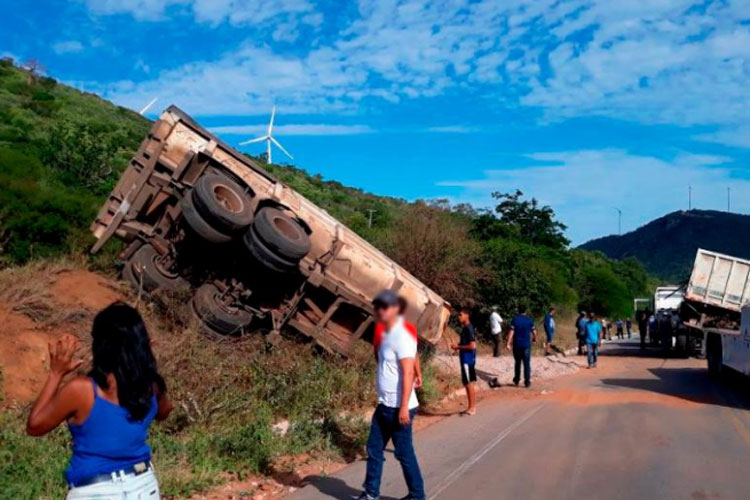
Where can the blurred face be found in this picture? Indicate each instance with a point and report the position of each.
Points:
(386, 313)
(463, 317)
(552, 312)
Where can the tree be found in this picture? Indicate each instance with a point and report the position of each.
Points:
(533, 223)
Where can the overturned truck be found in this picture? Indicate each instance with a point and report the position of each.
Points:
(200, 217)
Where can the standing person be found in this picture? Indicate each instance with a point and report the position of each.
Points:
(581, 331)
(642, 328)
(496, 327)
(522, 334)
(108, 412)
(604, 327)
(593, 339)
(467, 353)
(397, 401)
(629, 327)
(549, 329)
(620, 329)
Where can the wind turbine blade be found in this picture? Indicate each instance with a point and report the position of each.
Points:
(270, 124)
(251, 141)
(145, 108)
(281, 147)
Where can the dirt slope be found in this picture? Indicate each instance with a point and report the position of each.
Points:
(38, 306)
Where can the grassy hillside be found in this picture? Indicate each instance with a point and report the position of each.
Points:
(60, 151)
(666, 246)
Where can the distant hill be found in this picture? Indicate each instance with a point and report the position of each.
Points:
(666, 246)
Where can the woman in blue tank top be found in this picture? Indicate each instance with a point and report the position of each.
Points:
(110, 411)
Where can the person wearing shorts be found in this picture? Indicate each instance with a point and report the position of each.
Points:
(467, 349)
(549, 330)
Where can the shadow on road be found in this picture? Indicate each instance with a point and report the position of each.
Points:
(336, 488)
(632, 348)
(691, 384)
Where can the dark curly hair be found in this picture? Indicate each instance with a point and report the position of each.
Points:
(121, 346)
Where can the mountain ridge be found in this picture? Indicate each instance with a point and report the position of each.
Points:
(666, 246)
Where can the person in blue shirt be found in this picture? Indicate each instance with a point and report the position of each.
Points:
(581, 331)
(109, 412)
(593, 337)
(549, 329)
(522, 334)
(467, 349)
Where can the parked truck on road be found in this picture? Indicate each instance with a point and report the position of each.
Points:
(717, 309)
(200, 217)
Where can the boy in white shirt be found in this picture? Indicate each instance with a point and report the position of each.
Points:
(397, 401)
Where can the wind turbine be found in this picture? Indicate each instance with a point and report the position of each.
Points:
(269, 139)
(147, 106)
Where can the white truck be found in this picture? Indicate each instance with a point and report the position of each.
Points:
(717, 308)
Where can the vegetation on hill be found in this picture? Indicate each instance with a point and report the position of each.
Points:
(666, 246)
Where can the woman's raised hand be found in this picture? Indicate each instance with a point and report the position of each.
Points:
(61, 354)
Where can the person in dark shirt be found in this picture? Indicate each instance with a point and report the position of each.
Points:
(629, 327)
(643, 328)
(522, 334)
(467, 353)
(581, 331)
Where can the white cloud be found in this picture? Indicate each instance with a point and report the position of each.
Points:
(294, 129)
(651, 61)
(452, 129)
(732, 136)
(213, 12)
(585, 186)
(67, 47)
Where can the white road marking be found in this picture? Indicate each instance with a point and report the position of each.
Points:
(453, 476)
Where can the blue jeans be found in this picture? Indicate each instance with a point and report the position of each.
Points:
(522, 355)
(593, 352)
(385, 426)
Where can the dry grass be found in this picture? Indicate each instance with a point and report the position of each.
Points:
(28, 289)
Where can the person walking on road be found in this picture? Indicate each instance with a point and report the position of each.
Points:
(620, 329)
(593, 339)
(397, 401)
(549, 329)
(629, 327)
(467, 353)
(581, 331)
(496, 328)
(109, 411)
(642, 328)
(522, 334)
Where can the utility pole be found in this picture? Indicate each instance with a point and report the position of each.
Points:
(729, 195)
(370, 211)
(690, 197)
(619, 220)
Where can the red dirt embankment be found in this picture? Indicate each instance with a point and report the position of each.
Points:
(37, 306)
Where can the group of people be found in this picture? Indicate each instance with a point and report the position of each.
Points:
(109, 411)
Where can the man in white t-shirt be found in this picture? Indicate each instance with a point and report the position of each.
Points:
(396, 350)
(496, 327)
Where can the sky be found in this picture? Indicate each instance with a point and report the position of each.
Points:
(587, 105)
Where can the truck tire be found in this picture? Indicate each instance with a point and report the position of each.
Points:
(281, 234)
(222, 203)
(199, 225)
(714, 356)
(682, 345)
(144, 267)
(217, 316)
(265, 256)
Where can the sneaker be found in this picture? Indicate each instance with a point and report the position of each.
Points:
(364, 496)
(515, 382)
(527, 384)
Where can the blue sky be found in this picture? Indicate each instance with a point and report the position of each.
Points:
(586, 105)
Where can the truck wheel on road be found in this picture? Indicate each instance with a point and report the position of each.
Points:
(145, 267)
(199, 225)
(714, 356)
(281, 234)
(218, 316)
(222, 203)
(682, 345)
(265, 256)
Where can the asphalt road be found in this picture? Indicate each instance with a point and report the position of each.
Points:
(637, 427)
